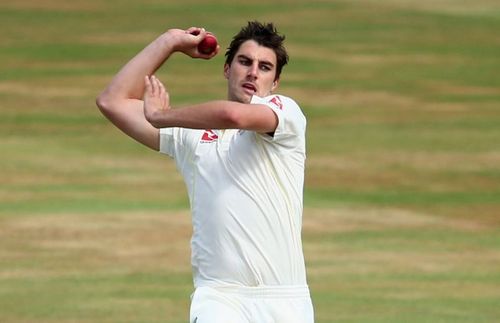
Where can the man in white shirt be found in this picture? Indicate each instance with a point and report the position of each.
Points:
(242, 160)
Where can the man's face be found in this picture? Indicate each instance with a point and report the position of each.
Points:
(251, 72)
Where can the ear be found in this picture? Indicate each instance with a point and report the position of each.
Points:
(276, 83)
(226, 71)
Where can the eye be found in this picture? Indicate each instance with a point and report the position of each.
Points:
(265, 67)
(244, 61)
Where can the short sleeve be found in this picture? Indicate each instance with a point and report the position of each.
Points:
(167, 142)
(179, 143)
(290, 132)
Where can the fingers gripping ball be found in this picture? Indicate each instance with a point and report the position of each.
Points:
(208, 45)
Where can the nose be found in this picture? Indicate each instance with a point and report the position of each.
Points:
(253, 70)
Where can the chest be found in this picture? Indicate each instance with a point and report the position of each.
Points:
(228, 148)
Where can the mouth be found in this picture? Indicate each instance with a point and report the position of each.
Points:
(249, 88)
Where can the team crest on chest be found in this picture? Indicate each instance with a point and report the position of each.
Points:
(209, 136)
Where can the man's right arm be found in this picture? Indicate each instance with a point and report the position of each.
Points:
(122, 100)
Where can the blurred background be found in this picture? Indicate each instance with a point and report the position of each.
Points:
(402, 191)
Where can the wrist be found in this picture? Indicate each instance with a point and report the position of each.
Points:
(168, 42)
(153, 118)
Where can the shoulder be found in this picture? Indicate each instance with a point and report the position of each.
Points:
(277, 100)
(280, 103)
(290, 132)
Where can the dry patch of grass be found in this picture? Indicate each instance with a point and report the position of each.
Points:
(398, 253)
(341, 219)
(66, 244)
(111, 38)
(320, 99)
(43, 90)
(456, 7)
(448, 171)
(455, 89)
(443, 160)
(54, 5)
(460, 162)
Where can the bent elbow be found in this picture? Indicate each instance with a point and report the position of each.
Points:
(106, 104)
(102, 102)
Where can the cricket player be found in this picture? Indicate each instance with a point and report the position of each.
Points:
(242, 160)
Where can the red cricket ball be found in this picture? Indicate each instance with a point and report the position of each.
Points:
(208, 45)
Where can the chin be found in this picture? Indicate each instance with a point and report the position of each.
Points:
(245, 98)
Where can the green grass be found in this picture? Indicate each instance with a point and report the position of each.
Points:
(402, 191)
(77, 296)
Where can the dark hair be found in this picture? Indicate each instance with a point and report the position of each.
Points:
(265, 35)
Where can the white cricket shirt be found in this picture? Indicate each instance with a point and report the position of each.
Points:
(245, 191)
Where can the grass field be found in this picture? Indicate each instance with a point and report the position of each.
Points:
(402, 194)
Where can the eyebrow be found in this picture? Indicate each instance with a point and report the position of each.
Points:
(251, 59)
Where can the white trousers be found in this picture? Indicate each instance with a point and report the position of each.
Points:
(270, 304)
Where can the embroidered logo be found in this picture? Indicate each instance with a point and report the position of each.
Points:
(209, 136)
(277, 102)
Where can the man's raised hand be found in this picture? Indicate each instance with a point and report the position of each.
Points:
(187, 41)
(156, 99)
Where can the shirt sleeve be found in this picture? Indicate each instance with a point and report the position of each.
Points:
(290, 131)
(179, 143)
(167, 141)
